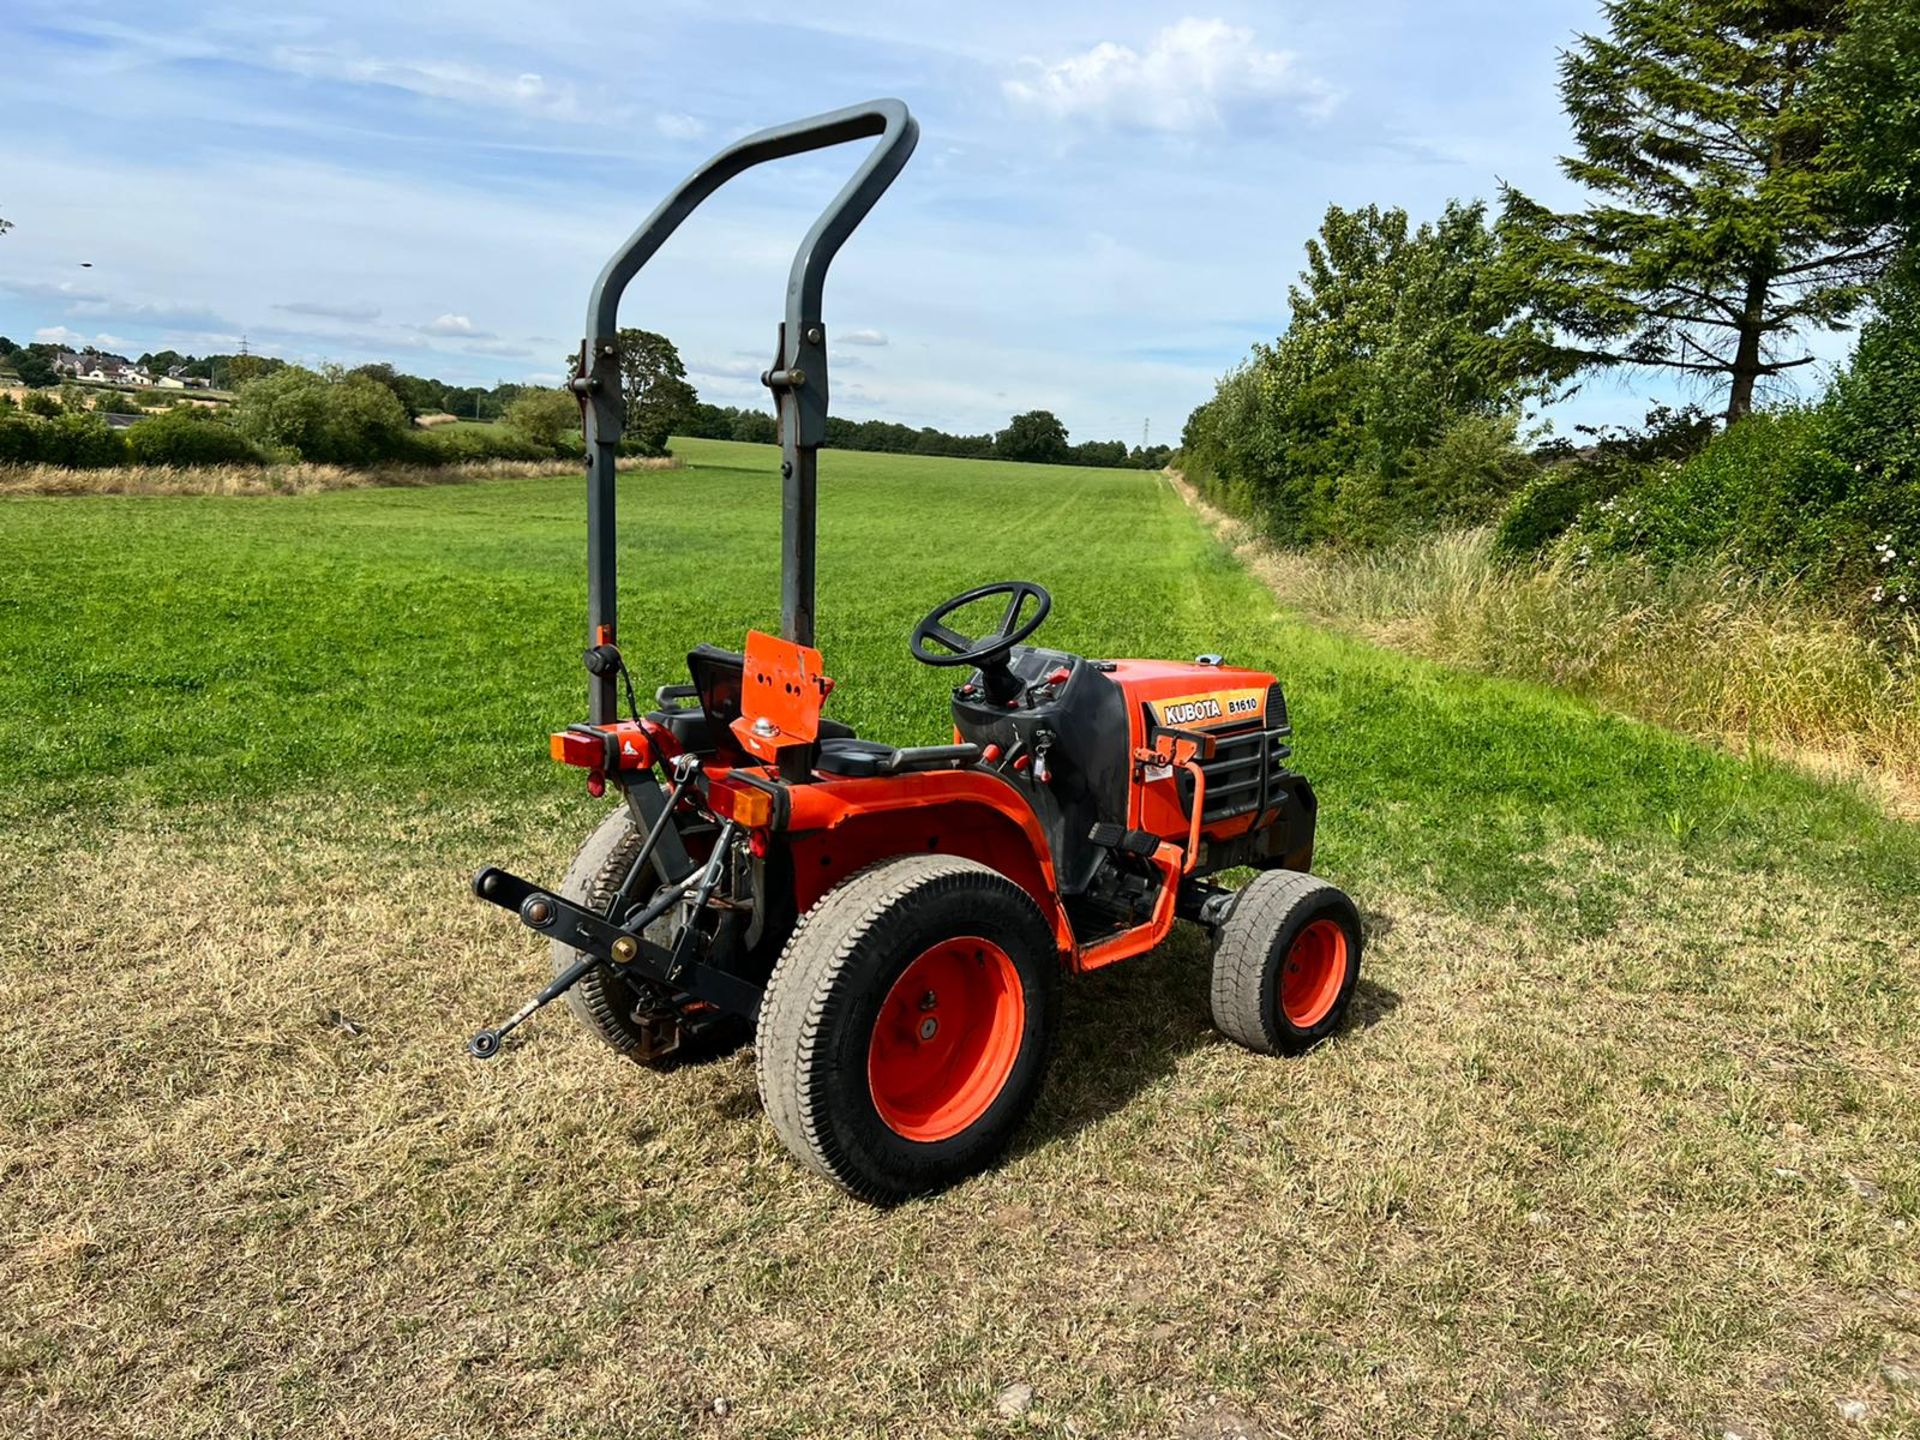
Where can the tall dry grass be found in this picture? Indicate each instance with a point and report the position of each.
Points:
(297, 479)
(1706, 649)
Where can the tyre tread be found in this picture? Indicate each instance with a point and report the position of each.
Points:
(1243, 953)
(801, 1003)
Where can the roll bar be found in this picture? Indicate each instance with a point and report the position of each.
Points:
(799, 374)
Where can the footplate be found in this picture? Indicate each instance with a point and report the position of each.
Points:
(630, 955)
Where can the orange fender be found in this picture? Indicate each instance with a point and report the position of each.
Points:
(835, 827)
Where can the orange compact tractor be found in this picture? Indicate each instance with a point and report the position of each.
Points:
(888, 926)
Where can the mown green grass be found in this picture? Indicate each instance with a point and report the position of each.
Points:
(426, 640)
(1623, 1140)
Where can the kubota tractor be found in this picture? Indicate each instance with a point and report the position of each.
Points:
(888, 926)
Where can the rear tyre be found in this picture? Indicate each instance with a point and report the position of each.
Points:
(643, 1027)
(907, 1027)
(1285, 962)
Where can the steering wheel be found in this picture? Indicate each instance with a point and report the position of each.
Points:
(985, 651)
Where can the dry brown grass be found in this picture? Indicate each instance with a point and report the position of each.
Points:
(1707, 651)
(1655, 1183)
(300, 479)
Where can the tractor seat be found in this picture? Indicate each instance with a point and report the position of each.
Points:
(854, 759)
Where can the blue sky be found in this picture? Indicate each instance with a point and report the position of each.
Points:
(1106, 208)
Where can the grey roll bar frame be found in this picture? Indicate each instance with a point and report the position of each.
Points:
(798, 378)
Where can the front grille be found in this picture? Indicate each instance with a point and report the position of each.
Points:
(1242, 775)
(1277, 710)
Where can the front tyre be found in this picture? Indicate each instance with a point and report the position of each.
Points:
(907, 1026)
(1285, 961)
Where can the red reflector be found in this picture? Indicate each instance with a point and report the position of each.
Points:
(588, 748)
(573, 747)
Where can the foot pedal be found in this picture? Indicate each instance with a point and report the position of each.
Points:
(1118, 837)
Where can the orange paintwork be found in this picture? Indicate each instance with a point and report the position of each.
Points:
(1316, 968)
(837, 826)
(945, 1039)
(781, 691)
(1142, 938)
(1153, 802)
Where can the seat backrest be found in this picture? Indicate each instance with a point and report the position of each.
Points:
(718, 679)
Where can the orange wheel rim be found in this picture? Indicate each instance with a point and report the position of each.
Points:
(946, 1039)
(1315, 969)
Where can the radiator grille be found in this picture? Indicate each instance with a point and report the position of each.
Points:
(1242, 775)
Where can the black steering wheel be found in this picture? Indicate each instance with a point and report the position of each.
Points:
(985, 651)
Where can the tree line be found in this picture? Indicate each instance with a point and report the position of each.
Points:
(1751, 173)
(1036, 437)
(660, 403)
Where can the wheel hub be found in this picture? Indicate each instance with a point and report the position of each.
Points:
(1315, 969)
(946, 1038)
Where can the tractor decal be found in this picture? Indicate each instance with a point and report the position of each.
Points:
(1215, 707)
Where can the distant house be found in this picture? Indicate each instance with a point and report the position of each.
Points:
(176, 378)
(105, 369)
(129, 375)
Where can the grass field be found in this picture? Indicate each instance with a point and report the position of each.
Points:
(1623, 1141)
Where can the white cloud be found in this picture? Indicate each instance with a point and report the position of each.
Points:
(1193, 75)
(679, 127)
(498, 347)
(728, 369)
(64, 293)
(457, 325)
(862, 337)
(332, 310)
(438, 79)
(59, 335)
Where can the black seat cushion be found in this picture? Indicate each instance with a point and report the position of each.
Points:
(844, 755)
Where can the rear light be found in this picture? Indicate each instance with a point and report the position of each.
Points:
(588, 747)
(752, 808)
(584, 748)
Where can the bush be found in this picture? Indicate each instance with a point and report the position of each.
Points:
(19, 439)
(81, 442)
(1827, 493)
(544, 418)
(1763, 493)
(455, 444)
(189, 435)
(1465, 476)
(41, 402)
(1620, 459)
(1545, 508)
(331, 416)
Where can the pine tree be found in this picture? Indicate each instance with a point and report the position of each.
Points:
(1726, 224)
